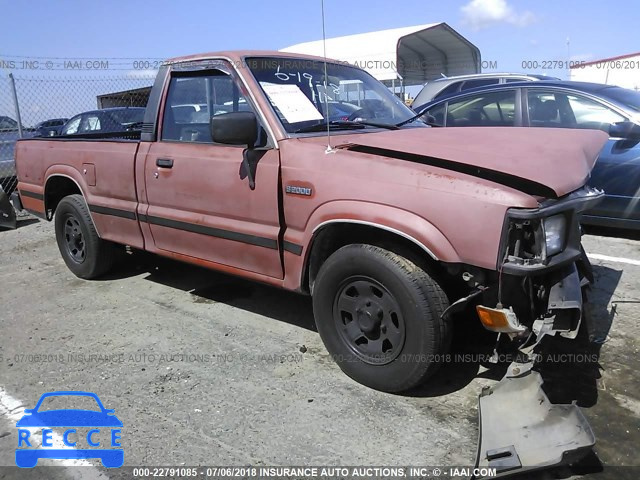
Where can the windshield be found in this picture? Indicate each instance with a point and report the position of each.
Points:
(296, 90)
(625, 97)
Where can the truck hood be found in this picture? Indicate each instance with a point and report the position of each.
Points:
(542, 162)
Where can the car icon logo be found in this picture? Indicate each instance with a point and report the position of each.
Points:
(70, 420)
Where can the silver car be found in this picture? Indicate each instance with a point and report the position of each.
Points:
(446, 85)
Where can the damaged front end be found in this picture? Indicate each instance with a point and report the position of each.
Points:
(542, 270)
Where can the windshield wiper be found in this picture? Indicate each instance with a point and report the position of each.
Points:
(335, 125)
(411, 119)
(388, 126)
(344, 124)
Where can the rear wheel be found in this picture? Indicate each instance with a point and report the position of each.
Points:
(84, 252)
(379, 316)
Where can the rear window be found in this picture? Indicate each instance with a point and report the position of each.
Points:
(53, 123)
(128, 116)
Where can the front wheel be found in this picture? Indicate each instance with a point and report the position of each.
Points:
(380, 317)
(84, 252)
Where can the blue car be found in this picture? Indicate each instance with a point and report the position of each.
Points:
(563, 104)
(111, 458)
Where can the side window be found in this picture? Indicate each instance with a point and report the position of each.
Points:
(91, 123)
(438, 113)
(192, 100)
(480, 82)
(491, 109)
(72, 126)
(548, 109)
(561, 110)
(591, 114)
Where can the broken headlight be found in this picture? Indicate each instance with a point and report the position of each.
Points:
(536, 239)
(555, 233)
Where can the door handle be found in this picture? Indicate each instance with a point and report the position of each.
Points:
(164, 162)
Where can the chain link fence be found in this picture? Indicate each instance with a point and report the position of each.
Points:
(40, 106)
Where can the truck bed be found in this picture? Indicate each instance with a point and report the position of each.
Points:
(112, 201)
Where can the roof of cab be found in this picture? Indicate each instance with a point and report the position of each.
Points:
(241, 54)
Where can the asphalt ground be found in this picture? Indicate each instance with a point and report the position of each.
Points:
(206, 369)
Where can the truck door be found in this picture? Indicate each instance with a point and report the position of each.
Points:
(199, 200)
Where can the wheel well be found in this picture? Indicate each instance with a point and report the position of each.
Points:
(337, 235)
(56, 189)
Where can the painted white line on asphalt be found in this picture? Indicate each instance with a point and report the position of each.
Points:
(607, 258)
(13, 410)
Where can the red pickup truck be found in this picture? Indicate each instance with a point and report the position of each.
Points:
(314, 177)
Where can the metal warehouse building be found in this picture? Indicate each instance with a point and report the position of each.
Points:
(623, 71)
(402, 56)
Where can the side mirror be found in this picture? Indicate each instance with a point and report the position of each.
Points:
(236, 128)
(628, 130)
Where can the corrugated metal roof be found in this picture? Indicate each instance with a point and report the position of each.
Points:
(415, 54)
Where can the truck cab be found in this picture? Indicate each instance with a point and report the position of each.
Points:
(390, 225)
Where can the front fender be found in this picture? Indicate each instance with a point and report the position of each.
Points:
(400, 222)
(404, 223)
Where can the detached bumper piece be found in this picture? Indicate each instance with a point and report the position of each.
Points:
(520, 429)
(7, 213)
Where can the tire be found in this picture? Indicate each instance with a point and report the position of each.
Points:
(380, 317)
(84, 252)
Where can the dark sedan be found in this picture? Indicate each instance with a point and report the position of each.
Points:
(563, 104)
(106, 120)
(50, 128)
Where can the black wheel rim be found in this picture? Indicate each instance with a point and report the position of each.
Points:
(74, 240)
(369, 320)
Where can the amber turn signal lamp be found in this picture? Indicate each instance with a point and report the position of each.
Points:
(499, 319)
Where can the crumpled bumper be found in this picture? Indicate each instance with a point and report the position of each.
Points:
(520, 429)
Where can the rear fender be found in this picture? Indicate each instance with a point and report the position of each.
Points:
(114, 219)
(66, 172)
